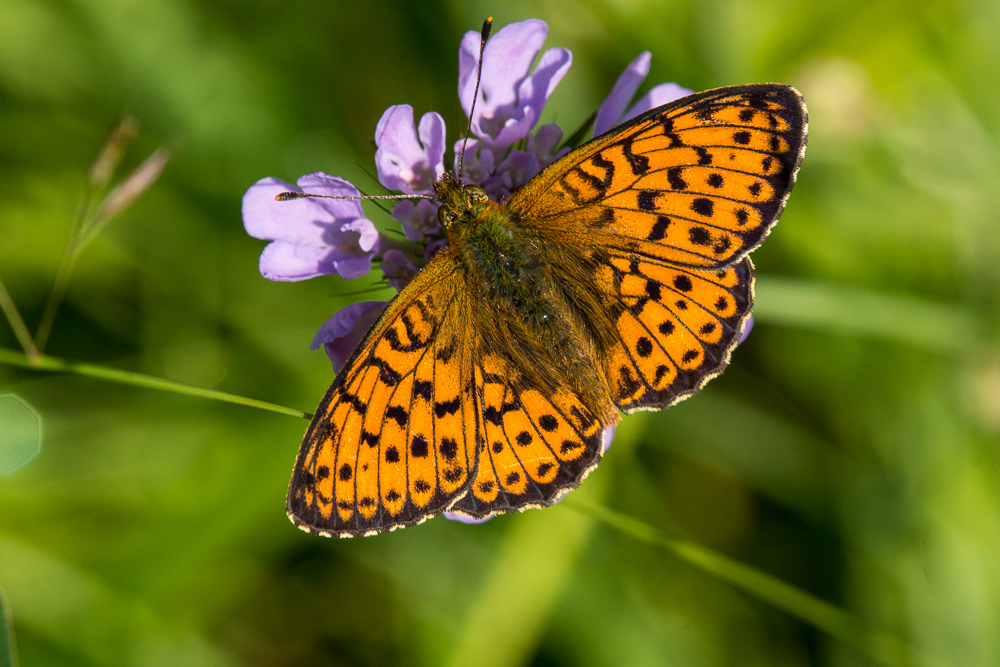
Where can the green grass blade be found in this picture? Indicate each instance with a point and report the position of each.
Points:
(54, 364)
(884, 648)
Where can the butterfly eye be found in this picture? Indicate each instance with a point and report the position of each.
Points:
(475, 194)
(446, 216)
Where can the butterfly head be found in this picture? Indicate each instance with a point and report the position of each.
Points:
(459, 201)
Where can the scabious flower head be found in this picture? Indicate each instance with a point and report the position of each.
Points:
(314, 237)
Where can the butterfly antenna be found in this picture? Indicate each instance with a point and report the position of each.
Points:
(288, 196)
(484, 34)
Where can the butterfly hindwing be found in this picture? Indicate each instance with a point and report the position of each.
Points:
(393, 441)
(675, 326)
(698, 182)
(535, 445)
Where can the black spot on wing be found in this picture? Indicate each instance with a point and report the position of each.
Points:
(398, 414)
(703, 206)
(675, 179)
(448, 448)
(447, 407)
(647, 200)
(419, 446)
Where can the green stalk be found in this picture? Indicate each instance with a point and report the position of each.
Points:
(61, 281)
(881, 647)
(47, 363)
(17, 323)
(52, 303)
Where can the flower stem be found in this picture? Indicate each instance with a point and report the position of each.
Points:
(882, 647)
(47, 363)
(17, 324)
(61, 281)
(59, 286)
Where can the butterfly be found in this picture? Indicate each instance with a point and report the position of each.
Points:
(616, 280)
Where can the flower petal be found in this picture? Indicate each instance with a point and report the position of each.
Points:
(432, 135)
(465, 518)
(417, 219)
(343, 238)
(510, 101)
(506, 61)
(533, 94)
(544, 141)
(614, 105)
(397, 268)
(665, 93)
(295, 221)
(747, 327)
(321, 184)
(342, 333)
(294, 261)
(609, 435)
(519, 168)
(403, 163)
(478, 166)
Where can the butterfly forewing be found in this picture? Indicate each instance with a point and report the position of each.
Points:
(698, 182)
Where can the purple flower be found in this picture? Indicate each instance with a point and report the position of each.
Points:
(747, 327)
(397, 268)
(609, 435)
(465, 518)
(543, 143)
(612, 111)
(511, 97)
(433, 247)
(343, 332)
(479, 163)
(409, 159)
(310, 237)
(418, 220)
(517, 168)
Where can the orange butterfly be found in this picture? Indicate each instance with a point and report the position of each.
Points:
(615, 280)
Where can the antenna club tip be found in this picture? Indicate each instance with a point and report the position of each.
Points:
(487, 26)
(288, 196)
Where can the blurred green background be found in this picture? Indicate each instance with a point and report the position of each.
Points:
(851, 449)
